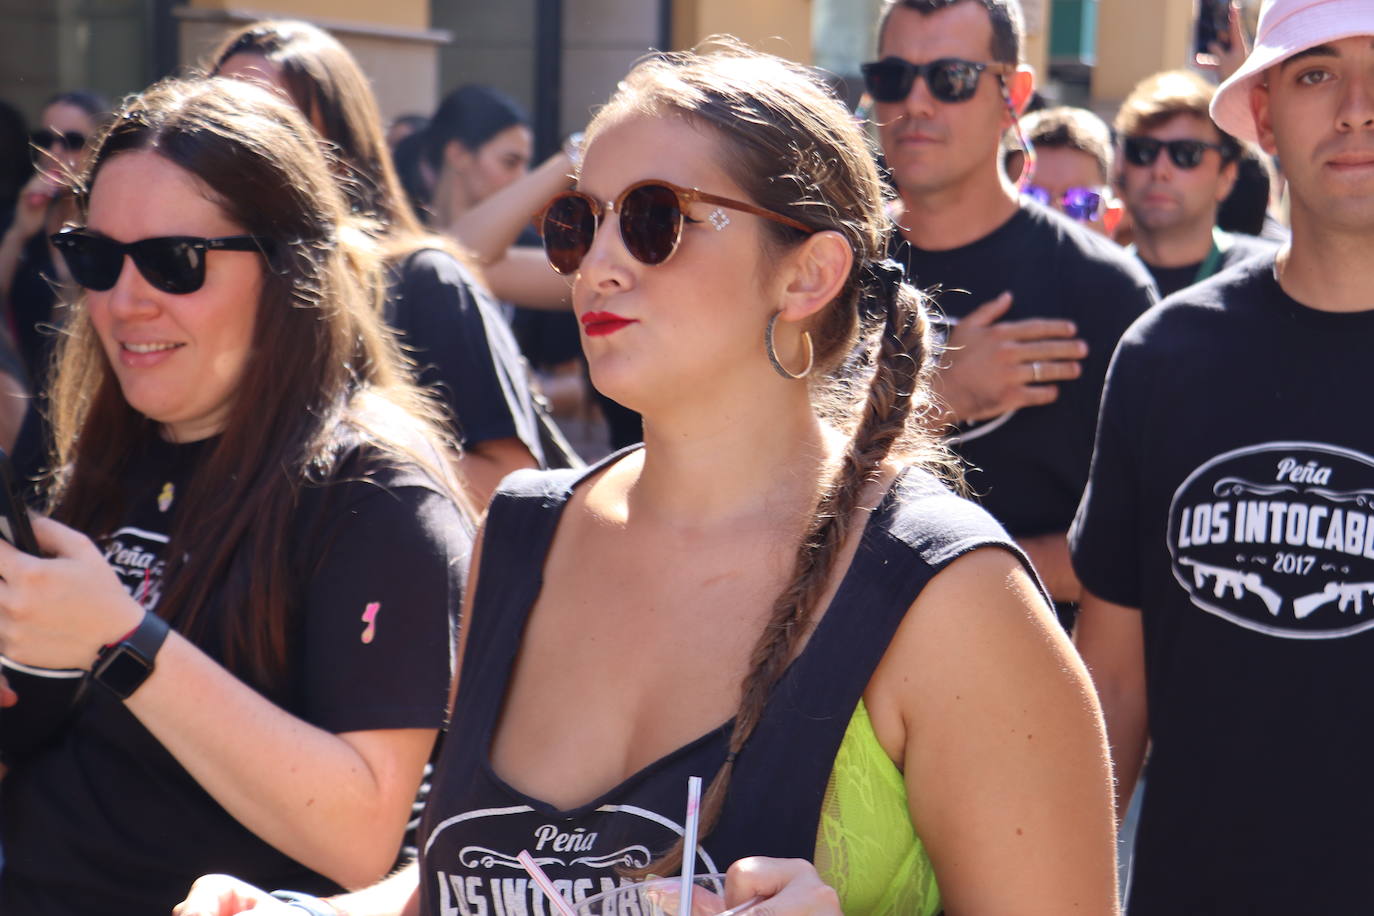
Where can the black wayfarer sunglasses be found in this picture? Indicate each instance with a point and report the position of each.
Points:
(1186, 154)
(651, 216)
(42, 141)
(45, 138)
(950, 79)
(173, 264)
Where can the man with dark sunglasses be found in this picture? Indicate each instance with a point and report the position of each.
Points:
(1226, 539)
(1021, 375)
(1175, 169)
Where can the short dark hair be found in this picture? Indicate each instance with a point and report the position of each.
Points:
(472, 115)
(1008, 28)
(1077, 129)
(95, 105)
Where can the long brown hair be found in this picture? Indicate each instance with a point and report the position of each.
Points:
(323, 372)
(328, 86)
(795, 150)
(330, 89)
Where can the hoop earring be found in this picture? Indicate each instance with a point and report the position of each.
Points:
(773, 353)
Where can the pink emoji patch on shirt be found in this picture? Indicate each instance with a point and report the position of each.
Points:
(370, 618)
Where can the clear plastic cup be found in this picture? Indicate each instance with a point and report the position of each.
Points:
(659, 897)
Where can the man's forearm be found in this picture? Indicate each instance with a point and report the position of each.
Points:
(1049, 553)
(1110, 639)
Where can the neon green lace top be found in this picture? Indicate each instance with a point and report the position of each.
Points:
(866, 847)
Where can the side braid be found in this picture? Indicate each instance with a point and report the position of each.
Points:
(901, 358)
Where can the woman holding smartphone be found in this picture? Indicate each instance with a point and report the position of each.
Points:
(777, 592)
(254, 526)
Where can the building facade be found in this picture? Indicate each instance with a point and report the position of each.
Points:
(558, 57)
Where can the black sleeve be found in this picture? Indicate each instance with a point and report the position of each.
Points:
(381, 611)
(1114, 296)
(1248, 248)
(1105, 537)
(1111, 294)
(464, 348)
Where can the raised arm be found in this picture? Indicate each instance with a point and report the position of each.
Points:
(1002, 745)
(517, 273)
(525, 278)
(492, 226)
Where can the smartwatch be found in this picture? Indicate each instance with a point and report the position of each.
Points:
(123, 666)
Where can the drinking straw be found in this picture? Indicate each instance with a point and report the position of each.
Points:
(540, 878)
(689, 846)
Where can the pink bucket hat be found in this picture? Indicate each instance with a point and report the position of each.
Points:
(1286, 27)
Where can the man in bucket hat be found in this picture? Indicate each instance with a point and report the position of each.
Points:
(1226, 538)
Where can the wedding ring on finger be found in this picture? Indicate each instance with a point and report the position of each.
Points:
(1035, 372)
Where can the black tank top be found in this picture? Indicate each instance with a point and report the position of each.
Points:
(475, 824)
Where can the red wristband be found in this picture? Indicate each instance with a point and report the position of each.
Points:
(125, 637)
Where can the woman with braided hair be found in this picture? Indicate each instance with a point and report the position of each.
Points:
(777, 592)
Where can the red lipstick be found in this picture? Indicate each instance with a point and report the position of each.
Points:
(599, 324)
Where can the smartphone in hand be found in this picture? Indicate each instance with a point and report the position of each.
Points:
(46, 696)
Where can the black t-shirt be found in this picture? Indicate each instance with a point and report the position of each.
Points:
(103, 819)
(548, 339)
(1232, 501)
(1239, 248)
(476, 823)
(1028, 467)
(463, 346)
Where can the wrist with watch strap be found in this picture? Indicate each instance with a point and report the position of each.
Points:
(121, 667)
